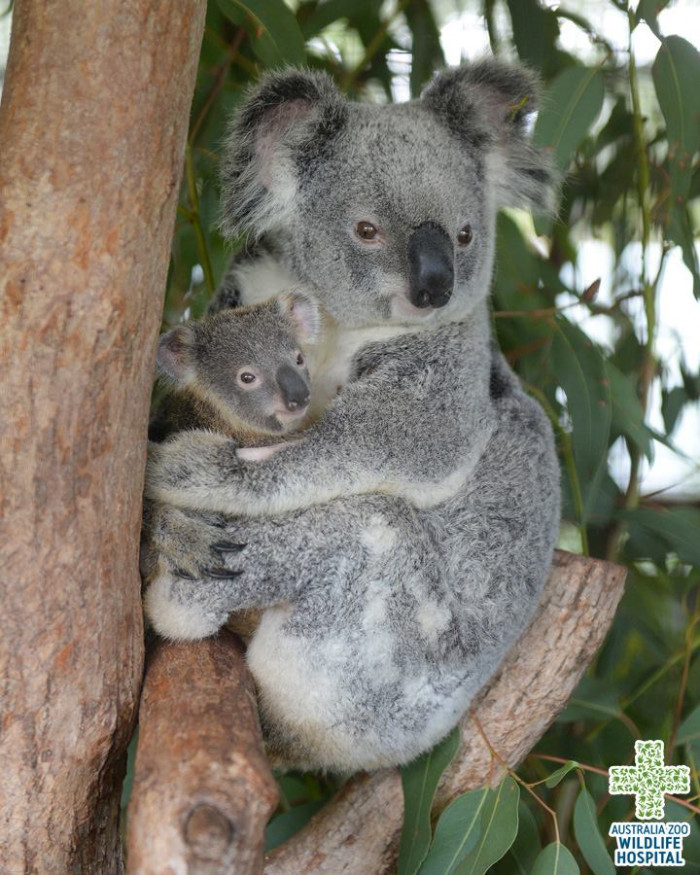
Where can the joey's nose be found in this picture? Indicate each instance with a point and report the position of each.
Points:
(431, 266)
(294, 389)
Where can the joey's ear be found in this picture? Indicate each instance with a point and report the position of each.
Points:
(174, 356)
(304, 313)
(486, 105)
(288, 119)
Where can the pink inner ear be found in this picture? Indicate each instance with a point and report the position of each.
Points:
(306, 316)
(272, 129)
(171, 358)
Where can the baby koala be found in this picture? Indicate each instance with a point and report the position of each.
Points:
(242, 373)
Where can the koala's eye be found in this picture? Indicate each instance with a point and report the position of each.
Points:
(464, 238)
(366, 231)
(300, 360)
(247, 378)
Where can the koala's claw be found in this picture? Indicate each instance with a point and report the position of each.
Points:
(222, 573)
(185, 575)
(225, 547)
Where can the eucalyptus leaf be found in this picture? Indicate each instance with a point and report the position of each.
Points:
(331, 11)
(499, 827)
(535, 33)
(556, 777)
(588, 835)
(672, 404)
(420, 779)
(593, 699)
(689, 730)
(680, 230)
(555, 859)
(523, 852)
(678, 527)
(457, 832)
(648, 10)
(581, 373)
(627, 413)
(276, 21)
(286, 824)
(427, 55)
(676, 73)
(570, 106)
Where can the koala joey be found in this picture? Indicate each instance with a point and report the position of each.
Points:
(401, 547)
(241, 373)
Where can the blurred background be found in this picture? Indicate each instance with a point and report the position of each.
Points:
(597, 310)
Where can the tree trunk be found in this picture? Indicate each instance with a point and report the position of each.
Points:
(92, 131)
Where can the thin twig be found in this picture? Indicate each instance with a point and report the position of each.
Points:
(604, 772)
(221, 74)
(494, 753)
(648, 368)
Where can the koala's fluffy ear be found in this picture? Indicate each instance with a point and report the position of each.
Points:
(174, 356)
(287, 120)
(486, 105)
(304, 313)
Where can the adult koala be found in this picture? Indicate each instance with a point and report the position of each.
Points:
(400, 548)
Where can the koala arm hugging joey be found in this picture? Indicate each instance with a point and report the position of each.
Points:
(387, 432)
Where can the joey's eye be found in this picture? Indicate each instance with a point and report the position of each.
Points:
(464, 238)
(300, 360)
(247, 378)
(366, 231)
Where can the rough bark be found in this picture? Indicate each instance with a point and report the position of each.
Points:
(92, 132)
(359, 830)
(203, 791)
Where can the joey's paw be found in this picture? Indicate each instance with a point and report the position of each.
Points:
(261, 454)
(188, 466)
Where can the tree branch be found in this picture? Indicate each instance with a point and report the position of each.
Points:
(203, 791)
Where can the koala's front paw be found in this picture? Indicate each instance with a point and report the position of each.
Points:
(187, 544)
(184, 469)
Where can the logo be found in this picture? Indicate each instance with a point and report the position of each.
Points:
(649, 844)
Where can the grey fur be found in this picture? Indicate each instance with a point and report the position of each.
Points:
(400, 547)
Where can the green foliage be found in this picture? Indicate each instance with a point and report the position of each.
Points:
(558, 776)
(474, 831)
(420, 779)
(588, 835)
(626, 137)
(555, 859)
(569, 107)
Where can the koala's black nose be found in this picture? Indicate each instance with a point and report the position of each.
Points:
(295, 390)
(431, 270)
